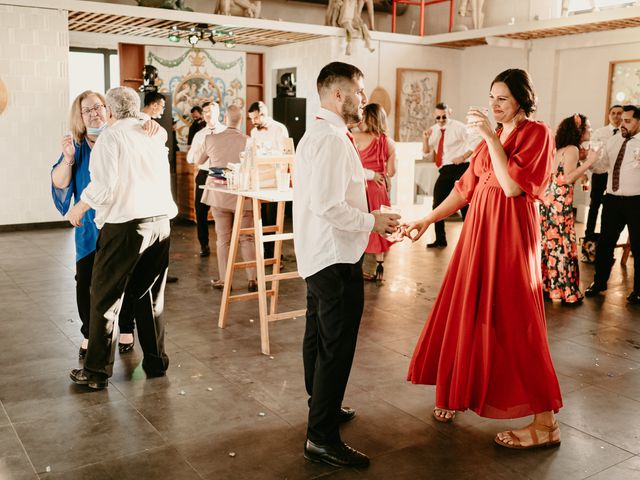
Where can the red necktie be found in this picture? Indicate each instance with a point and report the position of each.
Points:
(440, 149)
(353, 141)
(615, 180)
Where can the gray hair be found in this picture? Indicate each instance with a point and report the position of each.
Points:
(124, 102)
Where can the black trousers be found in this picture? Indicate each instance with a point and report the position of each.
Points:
(618, 212)
(269, 213)
(84, 270)
(202, 210)
(335, 300)
(598, 187)
(449, 175)
(131, 260)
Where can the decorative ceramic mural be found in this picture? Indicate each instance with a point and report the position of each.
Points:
(417, 92)
(194, 76)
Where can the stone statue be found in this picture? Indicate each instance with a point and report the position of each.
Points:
(170, 4)
(347, 14)
(239, 8)
(472, 8)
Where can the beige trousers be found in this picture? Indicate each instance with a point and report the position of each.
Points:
(223, 218)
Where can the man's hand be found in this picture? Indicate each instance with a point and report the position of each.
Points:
(151, 127)
(76, 213)
(385, 222)
(426, 134)
(458, 160)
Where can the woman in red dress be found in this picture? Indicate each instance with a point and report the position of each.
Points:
(378, 155)
(485, 343)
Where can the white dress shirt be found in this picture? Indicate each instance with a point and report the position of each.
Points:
(603, 134)
(273, 136)
(331, 223)
(129, 175)
(456, 141)
(197, 144)
(629, 169)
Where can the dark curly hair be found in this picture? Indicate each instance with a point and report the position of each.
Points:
(569, 133)
(521, 87)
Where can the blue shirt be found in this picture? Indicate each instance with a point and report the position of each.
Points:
(87, 233)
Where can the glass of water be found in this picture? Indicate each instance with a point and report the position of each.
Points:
(471, 119)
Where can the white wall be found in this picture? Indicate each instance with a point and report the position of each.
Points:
(379, 67)
(33, 64)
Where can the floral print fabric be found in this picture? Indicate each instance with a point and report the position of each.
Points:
(560, 268)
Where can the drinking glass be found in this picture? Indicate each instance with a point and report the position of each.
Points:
(471, 124)
(395, 236)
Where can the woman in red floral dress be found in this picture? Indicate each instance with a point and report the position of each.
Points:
(560, 270)
(485, 345)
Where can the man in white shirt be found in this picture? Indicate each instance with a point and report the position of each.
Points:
(331, 227)
(210, 113)
(267, 135)
(451, 146)
(130, 191)
(599, 169)
(154, 105)
(621, 205)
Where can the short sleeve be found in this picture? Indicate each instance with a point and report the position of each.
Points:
(467, 183)
(531, 159)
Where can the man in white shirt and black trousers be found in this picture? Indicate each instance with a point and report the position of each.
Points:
(131, 193)
(621, 204)
(331, 227)
(451, 146)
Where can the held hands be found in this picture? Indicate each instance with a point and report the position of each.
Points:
(68, 148)
(385, 223)
(419, 226)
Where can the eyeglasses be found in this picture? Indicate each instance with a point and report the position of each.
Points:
(95, 109)
(441, 117)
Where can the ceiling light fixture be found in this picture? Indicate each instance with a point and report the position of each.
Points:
(201, 31)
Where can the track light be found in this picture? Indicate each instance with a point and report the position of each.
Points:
(173, 35)
(230, 43)
(193, 38)
(212, 40)
(199, 32)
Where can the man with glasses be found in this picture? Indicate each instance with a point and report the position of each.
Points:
(154, 104)
(451, 146)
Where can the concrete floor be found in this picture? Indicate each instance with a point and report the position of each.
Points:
(186, 425)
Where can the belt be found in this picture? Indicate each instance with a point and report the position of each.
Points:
(151, 219)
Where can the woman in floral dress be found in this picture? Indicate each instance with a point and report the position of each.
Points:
(560, 271)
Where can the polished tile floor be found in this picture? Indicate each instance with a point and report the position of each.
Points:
(225, 411)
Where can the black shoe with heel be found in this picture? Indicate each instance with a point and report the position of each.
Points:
(126, 347)
(378, 276)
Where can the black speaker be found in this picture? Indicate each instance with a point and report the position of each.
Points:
(292, 112)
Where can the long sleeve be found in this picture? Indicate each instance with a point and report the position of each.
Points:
(104, 173)
(197, 146)
(332, 173)
(62, 196)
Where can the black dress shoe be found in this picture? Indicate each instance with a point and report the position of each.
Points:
(437, 244)
(634, 298)
(79, 376)
(346, 414)
(126, 347)
(205, 252)
(338, 454)
(594, 289)
(82, 353)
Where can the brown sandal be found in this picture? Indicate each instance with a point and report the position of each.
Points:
(553, 441)
(444, 419)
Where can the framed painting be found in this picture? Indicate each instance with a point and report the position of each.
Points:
(417, 93)
(624, 84)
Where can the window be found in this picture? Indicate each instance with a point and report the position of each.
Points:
(92, 69)
(580, 6)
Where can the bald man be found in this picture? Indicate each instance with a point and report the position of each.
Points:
(220, 149)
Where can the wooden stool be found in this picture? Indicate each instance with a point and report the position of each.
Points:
(277, 235)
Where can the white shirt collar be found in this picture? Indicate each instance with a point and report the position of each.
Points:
(333, 118)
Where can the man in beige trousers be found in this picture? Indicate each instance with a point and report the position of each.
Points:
(220, 149)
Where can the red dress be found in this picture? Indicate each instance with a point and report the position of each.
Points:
(374, 157)
(485, 343)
